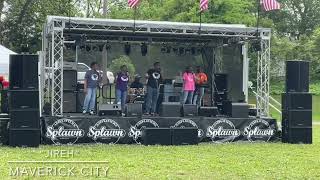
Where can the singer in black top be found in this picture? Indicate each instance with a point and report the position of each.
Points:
(154, 78)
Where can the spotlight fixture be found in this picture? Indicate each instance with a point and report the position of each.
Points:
(163, 49)
(101, 46)
(182, 51)
(168, 49)
(256, 46)
(193, 50)
(127, 48)
(88, 48)
(144, 49)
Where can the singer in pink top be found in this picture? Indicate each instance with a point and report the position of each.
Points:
(188, 85)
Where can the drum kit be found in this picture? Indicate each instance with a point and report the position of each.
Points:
(136, 94)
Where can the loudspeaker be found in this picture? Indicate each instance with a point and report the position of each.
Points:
(189, 110)
(23, 99)
(184, 136)
(80, 100)
(220, 96)
(23, 72)
(297, 76)
(109, 109)
(70, 80)
(153, 136)
(24, 137)
(25, 118)
(69, 101)
(302, 101)
(133, 110)
(236, 110)
(4, 134)
(297, 118)
(221, 82)
(299, 135)
(208, 111)
(4, 101)
(168, 109)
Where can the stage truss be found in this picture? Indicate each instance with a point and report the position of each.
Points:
(58, 30)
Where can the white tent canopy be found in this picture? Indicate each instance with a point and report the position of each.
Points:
(4, 60)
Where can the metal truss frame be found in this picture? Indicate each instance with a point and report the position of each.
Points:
(58, 29)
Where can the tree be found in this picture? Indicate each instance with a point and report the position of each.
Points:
(123, 60)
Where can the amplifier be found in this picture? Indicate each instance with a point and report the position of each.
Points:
(236, 110)
(80, 100)
(109, 109)
(189, 110)
(4, 101)
(133, 110)
(70, 80)
(184, 136)
(153, 136)
(208, 111)
(23, 99)
(168, 109)
(24, 137)
(25, 118)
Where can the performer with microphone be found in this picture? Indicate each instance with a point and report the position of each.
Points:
(154, 78)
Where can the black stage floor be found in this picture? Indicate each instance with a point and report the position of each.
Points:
(78, 128)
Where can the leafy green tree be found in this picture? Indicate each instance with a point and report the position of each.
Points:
(122, 60)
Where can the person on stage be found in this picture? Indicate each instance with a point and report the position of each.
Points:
(136, 83)
(201, 80)
(122, 87)
(188, 85)
(154, 78)
(91, 82)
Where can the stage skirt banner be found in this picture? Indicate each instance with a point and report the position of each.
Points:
(119, 130)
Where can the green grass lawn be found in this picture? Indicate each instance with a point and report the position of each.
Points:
(275, 114)
(205, 161)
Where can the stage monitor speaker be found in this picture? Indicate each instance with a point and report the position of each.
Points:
(25, 118)
(189, 110)
(133, 110)
(184, 136)
(221, 82)
(168, 109)
(297, 76)
(208, 111)
(4, 133)
(109, 109)
(299, 135)
(235, 110)
(23, 99)
(23, 72)
(70, 80)
(302, 101)
(69, 101)
(156, 136)
(24, 137)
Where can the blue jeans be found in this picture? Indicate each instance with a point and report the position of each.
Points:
(198, 96)
(90, 100)
(152, 99)
(187, 97)
(121, 98)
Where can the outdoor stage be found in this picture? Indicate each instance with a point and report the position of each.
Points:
(77, 128)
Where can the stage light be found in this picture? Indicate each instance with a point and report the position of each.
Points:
(193, 50)
(182, 51)
(163, 49)
(127, 48)
(144, 49)
(82, 48)
(88, 48)
(95, 48)
(256, 46)
(168, 49)
(175, 50)
(101, 46)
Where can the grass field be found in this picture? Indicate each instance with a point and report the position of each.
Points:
(205, 161)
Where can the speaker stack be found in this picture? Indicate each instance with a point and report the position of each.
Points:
(221, 90)
(297, 104)
(24, 128)
(70, 92)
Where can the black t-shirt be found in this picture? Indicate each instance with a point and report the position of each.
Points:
(155, 78)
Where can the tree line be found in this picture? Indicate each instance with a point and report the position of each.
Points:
(296, 31)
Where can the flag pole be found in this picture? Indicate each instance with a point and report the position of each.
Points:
(200, 22)
(134, 19)
(258, 18)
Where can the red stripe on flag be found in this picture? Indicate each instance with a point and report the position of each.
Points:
(269, 5)
(204, 5)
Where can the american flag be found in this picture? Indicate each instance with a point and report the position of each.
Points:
(204, 5)
(269, 5)
(133, 3)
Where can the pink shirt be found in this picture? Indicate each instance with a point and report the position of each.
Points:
(189, 82)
